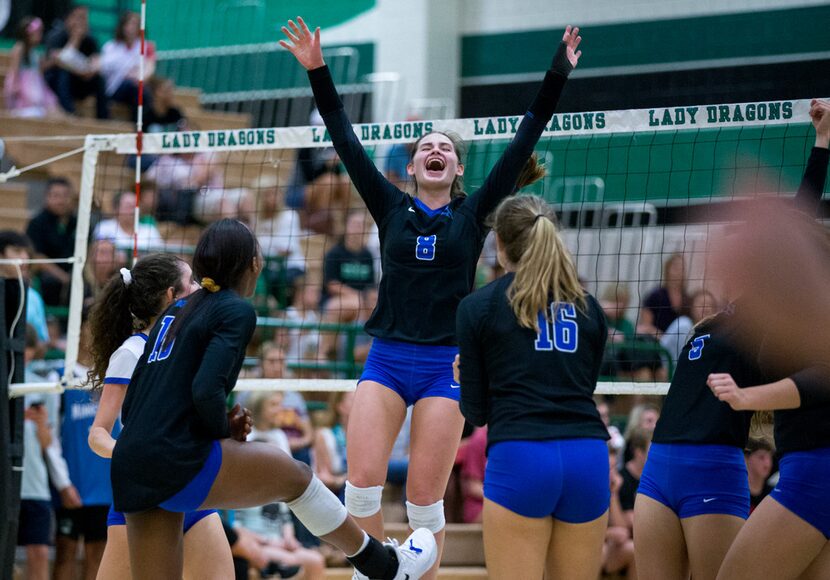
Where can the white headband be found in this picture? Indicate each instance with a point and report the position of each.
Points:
(126, 276)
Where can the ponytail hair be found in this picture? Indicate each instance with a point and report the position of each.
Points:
(528, 231)
(129, 302)
(532, 172)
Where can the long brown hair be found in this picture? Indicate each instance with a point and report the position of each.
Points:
(123, 308)
(529, 234)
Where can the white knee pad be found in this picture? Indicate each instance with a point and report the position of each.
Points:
(319, 509)
(430, 517)
(363, 502)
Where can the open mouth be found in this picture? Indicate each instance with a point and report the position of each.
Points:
(435, 164)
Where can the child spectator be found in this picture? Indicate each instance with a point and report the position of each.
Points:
(74, 63)
(637, 443)
(52, 232)
(758, 455)
(120, 61)
(25, 88)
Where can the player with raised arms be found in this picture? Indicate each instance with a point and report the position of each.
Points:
(430, 244)
(531, 346)
(693, 497)
(119, 322)
(180, 449)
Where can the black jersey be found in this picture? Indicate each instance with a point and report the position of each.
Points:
(176, 404)
(528, 385)
(691, 412)
(428, 261)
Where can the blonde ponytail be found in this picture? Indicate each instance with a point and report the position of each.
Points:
(545, 272)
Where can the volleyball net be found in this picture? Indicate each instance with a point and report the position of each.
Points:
(636, 192)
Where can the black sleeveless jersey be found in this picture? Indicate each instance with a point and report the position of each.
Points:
(528, 385)
(428, 260)
(176, 404)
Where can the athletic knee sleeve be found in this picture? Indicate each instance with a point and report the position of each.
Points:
(363, 502)
(430, 517)
(319, 509)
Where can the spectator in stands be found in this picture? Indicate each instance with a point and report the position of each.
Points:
(758, 455)
(642, 416)
(303, 344)
(34, 530)
(191, 188)
(397, 158)
(330, 444)
(103, 261)
(615, 300)
(665, 303)
(52, 232)
(291, 414)
(121, 229)
(162, 115)
(702, 304)
(348, 273)
(74, 63)
(120, 61)
(638, 443)
(25, 88)
(86, 522)
(398, 469)
(363, 341)
(617, 441)
(16, 246)
(618, 550)
(310, 164)
(278, 230)
(473, 461)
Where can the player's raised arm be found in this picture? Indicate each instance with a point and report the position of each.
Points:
(812, 184)
(377, 192)
(502, 179)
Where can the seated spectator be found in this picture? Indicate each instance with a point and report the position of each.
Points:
(310, 164)
(638, 444)
(398, 469)
(278, 230)
(618, 549)
(615, 300)
(289, 411)
(52, 232)
(473, 461)
(102, 262)
(362, 340)
(758, 455)
(74, 66)
(25, 88)
(162, 115)
(617, 441)
(702, 304)
(16, 246)
(303, 344)
(330, 444)
(397, 158)
(120, 61)
(642, 416)
(191, 189)
(120, 230)
(665, 303)
(348, 273)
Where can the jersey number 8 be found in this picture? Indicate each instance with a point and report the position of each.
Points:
(563, 329)
(425, 248)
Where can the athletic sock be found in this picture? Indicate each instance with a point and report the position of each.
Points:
(376, 560)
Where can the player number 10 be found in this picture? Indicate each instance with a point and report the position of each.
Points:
(563, 329)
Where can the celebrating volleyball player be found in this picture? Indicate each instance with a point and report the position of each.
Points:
(531, 346)
(122, 316)
(693, 496)
(180, 449)
(430, 243)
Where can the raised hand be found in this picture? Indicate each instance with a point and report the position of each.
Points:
(304, 45)
(820, 116)
(572, 39)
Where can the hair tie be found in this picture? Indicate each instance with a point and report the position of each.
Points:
(538, 215)
(209, 285)
(126, 276)
(35, 24)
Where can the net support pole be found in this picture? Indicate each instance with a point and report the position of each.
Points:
(76, 295)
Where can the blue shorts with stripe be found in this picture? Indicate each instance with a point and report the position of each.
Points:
(804, 486)
(563, 478)
(115, 518)
(413, 371)
(694, 480)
